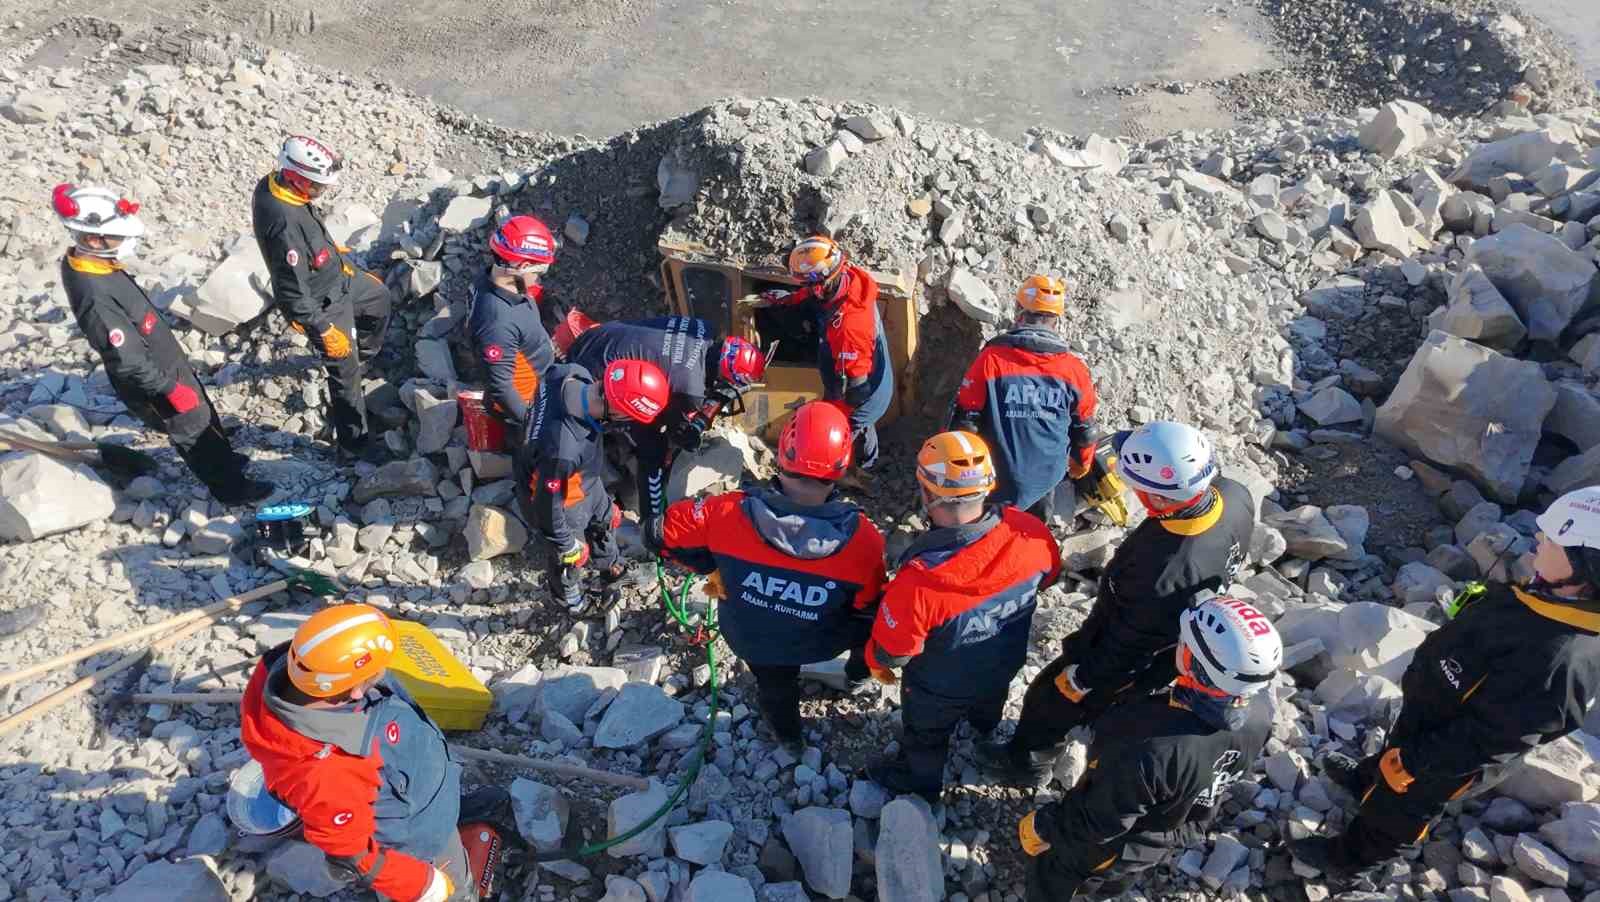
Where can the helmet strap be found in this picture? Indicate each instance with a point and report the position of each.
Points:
(1163, 508)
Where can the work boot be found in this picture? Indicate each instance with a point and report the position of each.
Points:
(1004, 763)
(243, 492)
(622, 575)
(1328, 854)
(1345, 771)
(895, 777)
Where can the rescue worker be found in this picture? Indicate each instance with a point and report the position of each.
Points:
(704, 373)
(1517, 667)
(143, 360)
(799, 570)
(957, 613)
(506, 327)
(559, 467)
(853, 354)
(342, 309)
(342, 744)
(1160, 765)
(1033, 401)
(1193, 542)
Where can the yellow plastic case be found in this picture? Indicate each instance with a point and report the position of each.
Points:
(442, 685)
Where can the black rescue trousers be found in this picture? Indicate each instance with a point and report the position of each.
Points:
(593, 516)
(1389, 823)
(1048, 716)
(1050, 879)
(778, 691)
(363, 311)
(927, 722)
(197, 436)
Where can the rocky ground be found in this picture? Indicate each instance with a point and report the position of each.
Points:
(1385, 316)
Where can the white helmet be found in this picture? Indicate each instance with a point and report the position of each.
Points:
(92, 210)
(1172, 460)
(253, 809)
(1226, 644)
(310, 158)
(1573, 522)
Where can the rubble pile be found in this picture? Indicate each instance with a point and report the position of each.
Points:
(1389, 321)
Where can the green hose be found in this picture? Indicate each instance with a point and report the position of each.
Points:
(704, 634)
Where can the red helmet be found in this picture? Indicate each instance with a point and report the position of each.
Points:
(742, 362)
(816, 441)
(522, 240)
(638, 388)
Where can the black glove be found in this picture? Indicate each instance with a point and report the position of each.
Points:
(651, 532)
(857, 393)
(688, 433)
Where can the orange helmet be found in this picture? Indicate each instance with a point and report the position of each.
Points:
(815, 260)
(340, 648)
(956, 466)
(1043, 294)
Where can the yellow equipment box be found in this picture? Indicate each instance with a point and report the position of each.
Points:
(442, 685)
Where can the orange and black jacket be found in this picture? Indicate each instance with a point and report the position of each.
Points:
(1512, 670)
(853, 356)
(562, 457)
(143, 358)
(958, 611)
(308, 269)
(513, 345)
(800, 581)
(372, 781)
(1034, 401)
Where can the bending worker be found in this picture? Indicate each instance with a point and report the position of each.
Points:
(853, 354)
(1033, 401)
(562, 459)
(506, 328)
(1193, 541)
(343, 745)
(957, 614)
(342, 309)
(1160, 765)
(800, 570)
(1516, 668)
(146, 365)
(704, 374)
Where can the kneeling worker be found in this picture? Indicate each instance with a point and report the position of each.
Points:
(957, 614)
(562, 458)
(1517, 667)
(344, 746)
(801, 570)
(1160, 765)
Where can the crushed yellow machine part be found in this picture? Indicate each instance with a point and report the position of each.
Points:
(1103, 488)
(441, 684)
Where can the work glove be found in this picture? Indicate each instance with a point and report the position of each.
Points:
(714, 587)
(335, 343)
(765, 299)
(1077, 470)
(857, 393)
(439, 888)
(183, 398)
(1069, 687)
(882, 674)
(577, 555)
(652, 532)
(1032, 842)
(688, 433)
(1394, 772)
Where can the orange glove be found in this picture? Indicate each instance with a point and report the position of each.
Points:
(1032, 843)
(1394, 773)
(1076, 470)
(714, 587)
(882, 674)
(335, 343)
(1064, 682)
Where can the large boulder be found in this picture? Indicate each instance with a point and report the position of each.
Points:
(631, 810)
(1380, 227)
(1577, 833)
(1479, 312)
(416, 476)
(492, 531)
(1528, 152)
(909, 868)
(191, 880)
(1399, 128)
(1575, 472)
(573, 690)
(236, 292)
(1378, 639)
(1308, 533)
(1538, 274)
(640, 713)
(1553, 774)
(541, 813)
(823, 842)
(1465, 406)
(41, 496)
(1576, 416)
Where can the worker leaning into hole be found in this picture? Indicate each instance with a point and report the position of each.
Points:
(1516, 668)
(798, 570)
(1193, 541)
(146, 365)
(956, 616)
(506, 324)
(853, 353)
(1033, 401)
(704, 372)
(342, 309)
(1160, 764)
(562, 459)
(342, 744)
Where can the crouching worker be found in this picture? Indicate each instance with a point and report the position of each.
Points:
(1160, 765)
(561, 462)
(956, 615)
(1517, 667)
(342, 744)
(801, 570)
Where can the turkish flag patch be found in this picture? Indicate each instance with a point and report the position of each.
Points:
(553, 485)
(149, 323)
(392, 733)
(343, 817)
(321, 259)
(493, 353)
(293, 257)
(116, 338)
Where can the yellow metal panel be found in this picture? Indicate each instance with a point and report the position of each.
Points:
(440, 683)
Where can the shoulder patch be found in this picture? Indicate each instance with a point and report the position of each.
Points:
(392, 732)
(493, 353)
(116, 338)
(293, 257)
(343, 817)
(149, 323)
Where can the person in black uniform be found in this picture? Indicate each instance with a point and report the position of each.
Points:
(702, 371)
(342, 309)
(559, 466)
(1517, 667)
(1160, 764)
(506, 320)
(146, 366)
(1193, 542)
